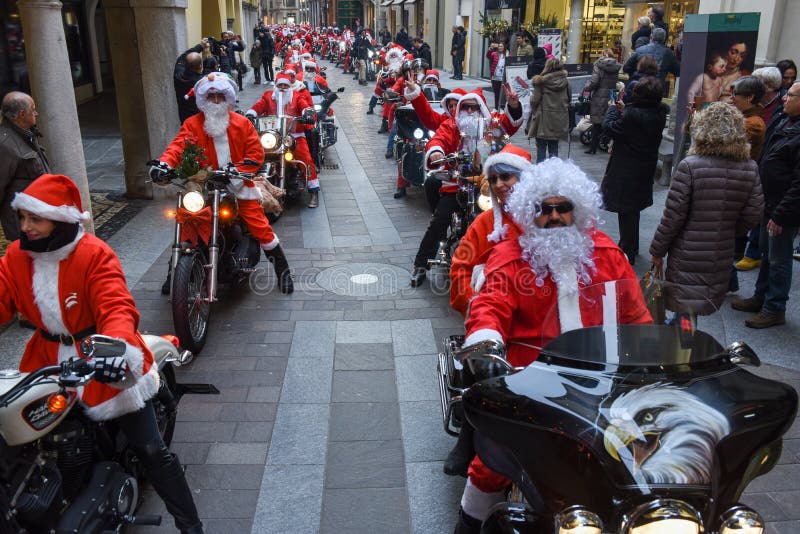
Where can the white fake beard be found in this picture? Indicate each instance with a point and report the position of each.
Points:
(217, 118)
(468, 124)
(549, 251)
(282, 98)
(430, 86)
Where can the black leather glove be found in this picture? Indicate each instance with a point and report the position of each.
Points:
(158, 173)
(111, 369)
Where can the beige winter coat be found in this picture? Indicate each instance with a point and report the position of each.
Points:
(550, 106)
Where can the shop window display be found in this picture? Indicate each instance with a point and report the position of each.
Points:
(602, 28)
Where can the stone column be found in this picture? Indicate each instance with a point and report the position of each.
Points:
(146, 37)
(51, 85)
(574, 36)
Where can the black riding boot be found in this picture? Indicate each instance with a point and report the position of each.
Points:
(384, 126)
(461, 455)
(278, 260)
(467, 524)
(169, 482)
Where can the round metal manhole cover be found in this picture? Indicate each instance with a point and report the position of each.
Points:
(364, 279)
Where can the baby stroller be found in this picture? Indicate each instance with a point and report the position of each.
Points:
(584, 125)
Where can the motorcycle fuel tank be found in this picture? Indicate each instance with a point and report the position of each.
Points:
(609, 414)
(27, 418)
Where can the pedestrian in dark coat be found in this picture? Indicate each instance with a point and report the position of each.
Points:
(536, 66)
(457, 51)
(188, 69)
(267, 55)
(628, 182)
(643, 31)
(255, 61)
(549, 109)
(715, 195)
(605, 74)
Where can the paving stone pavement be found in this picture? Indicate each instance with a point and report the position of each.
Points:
(328, 417)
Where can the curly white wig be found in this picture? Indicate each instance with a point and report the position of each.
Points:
(556, 178)
(217, 82)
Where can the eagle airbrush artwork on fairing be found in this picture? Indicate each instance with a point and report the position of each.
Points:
(664, 435)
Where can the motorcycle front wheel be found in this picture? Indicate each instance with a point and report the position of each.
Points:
(190, 307)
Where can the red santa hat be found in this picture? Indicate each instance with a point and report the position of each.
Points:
(309, 64)
(455, 94)
(509, 156)
(432, 73)
(283, 78)
(290, 70)
(475, 94)
(216, 82)
(54, 197)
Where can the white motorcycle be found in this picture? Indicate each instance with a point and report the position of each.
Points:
(60, 471)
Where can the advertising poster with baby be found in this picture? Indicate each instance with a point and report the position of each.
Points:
(718, 49)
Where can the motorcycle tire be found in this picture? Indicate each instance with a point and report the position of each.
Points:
(166, 415)
(190, 310)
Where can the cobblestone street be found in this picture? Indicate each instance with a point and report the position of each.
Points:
(328, 418)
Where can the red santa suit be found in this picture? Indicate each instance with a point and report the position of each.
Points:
(447, 137)
(430, 118)
(240, 142)
(77, 289)
(300, 100)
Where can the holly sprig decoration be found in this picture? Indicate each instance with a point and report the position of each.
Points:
(192, 157)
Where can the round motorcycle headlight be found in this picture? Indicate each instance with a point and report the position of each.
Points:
(578, 520)
(662, 516)
(317, 107)
(741, 520)
(193, 201)
(269, 140)
(418, 134)
(484, 202)
(288, 141)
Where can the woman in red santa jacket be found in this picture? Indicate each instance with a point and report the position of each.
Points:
(70, 285)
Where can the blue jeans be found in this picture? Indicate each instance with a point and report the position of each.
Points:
(546, 148)
(392, 134)
(775, 275)
(753, 236)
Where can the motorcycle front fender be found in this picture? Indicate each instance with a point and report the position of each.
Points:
(515, 518)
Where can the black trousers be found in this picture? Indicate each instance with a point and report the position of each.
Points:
(497, 87)
(437, 229)
(629, 232)
(597, 129)
(269, 75)
(458, 65)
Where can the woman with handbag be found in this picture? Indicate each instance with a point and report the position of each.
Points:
(549, 109)
(715, 195)
(605, 74)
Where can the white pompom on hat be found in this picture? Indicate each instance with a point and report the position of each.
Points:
(216, 82)
(513, 156)
(54, 197)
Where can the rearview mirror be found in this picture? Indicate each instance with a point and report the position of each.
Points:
(741, 353)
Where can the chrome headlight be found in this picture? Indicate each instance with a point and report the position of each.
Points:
(269, 140)
(741, 520)
(193, 201)
(662, 516)
(418, 134)
(578, 520)
(484, 202)
(288, 140)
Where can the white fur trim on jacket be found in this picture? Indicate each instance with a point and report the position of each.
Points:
(506, 158)
(482, 335)
(128, 400)
(428, 154)
(411, 95)
(45, 285)
(244, 189)
(499, 229)
(515, 122)
(67, 214)
(271, 245)
(477, 503)
(134, 357)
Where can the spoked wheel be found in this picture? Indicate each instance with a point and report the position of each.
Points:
(586, 137)
(164, 404)
(190, 307)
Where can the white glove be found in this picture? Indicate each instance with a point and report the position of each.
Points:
(250, 113)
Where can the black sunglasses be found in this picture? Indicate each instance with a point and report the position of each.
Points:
(503, 177)
(470, 107)
(561, 208)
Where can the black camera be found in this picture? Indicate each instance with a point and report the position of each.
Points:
(211, 40)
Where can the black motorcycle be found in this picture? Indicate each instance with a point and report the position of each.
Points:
(620, 427)
(324, 133)
(409, 144)
(211, 246)
(61, 471)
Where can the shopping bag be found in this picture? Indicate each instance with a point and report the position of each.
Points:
(652, 284)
